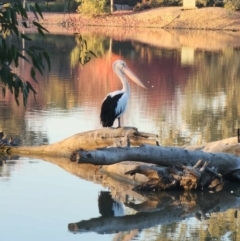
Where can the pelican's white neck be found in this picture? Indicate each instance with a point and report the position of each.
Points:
(123, 78)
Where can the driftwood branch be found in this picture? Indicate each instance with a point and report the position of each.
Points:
(90, 140)
(128, 144)
(227, 164)
(177, 177)
(180, 168)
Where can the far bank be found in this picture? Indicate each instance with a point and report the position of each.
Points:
(212, 18)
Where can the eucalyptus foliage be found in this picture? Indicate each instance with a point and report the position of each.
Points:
(233, 5)
(12, 18)
(81, 53)
(93, 7)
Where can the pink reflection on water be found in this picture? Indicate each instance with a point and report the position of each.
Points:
(77, 92)
(161, 76)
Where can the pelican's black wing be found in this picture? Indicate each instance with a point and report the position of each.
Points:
(108, 113)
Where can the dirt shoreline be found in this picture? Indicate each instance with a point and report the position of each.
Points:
(212, 18)
(212, 29)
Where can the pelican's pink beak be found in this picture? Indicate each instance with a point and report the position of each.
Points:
(133, 77)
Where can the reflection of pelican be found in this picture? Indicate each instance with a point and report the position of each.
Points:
(115, 103)
(108, 207)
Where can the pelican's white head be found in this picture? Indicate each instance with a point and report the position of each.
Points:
(119, 66)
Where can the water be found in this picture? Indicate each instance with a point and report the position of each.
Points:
(193, 83)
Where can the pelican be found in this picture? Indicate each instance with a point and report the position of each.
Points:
(115, 103)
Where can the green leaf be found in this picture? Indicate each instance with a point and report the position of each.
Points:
(16, 99)
(24, 23)
(15, 7)
(41, 32)
(23, 57)
(13, 17)
(85, 43)
(14, 55)
(16, 90)
(47, 58)
(39, 26)
(13, 50)
(3, 91)
(36, 65)
(15, 30)
(34, 12)
(33, 74)
(40, 60)
(7, 5)
(22, 11)
(38, 9)
(31, 88)
(91, 52)
(25, 37)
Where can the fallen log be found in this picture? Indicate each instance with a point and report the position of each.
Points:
(89, 140)
(81, 148)
(228, 165)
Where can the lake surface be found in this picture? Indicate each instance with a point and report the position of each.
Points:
(193, 86)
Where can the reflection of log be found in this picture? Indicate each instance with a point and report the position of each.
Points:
(228, 165)
(88, 141)
(128, 222)
(172, 208)
(121, 188)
